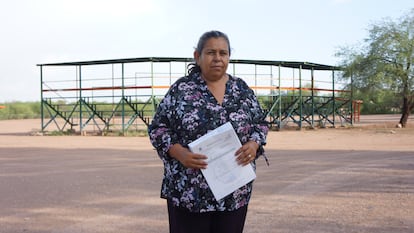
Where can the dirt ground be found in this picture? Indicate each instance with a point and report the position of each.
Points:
(353, 179)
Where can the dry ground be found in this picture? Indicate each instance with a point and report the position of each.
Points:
(358, 179)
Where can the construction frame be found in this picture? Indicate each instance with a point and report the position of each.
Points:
(122, 95)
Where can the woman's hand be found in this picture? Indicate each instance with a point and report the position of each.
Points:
(188, 158)
(247, 153)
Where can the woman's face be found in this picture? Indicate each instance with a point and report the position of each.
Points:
(214, 58)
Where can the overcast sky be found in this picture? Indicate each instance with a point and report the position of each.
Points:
(49, 31)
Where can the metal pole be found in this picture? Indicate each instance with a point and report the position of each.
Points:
(293, 71)
(80, 99)
(152, 89)
(123, 99)
(300, 97)
(333, 98)
(41, 99)
(271, 76)
(280, 101)
(152, 78)
(113, 85)
(313, 97)
(255, 79)
(170, 73)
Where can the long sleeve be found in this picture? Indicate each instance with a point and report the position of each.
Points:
(161, 133)
(260, 126)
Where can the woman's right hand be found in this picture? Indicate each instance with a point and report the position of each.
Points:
(188, 158)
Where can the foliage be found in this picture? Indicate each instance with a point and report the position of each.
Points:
(32, 110)
(381, 68)
(20, 110)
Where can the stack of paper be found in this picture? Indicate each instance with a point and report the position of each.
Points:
(223, 174)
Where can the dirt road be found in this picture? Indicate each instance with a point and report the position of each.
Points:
(326, 180)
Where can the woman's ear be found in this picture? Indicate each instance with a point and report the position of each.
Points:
(196, 56)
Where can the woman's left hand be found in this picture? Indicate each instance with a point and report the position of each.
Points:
(247, 153)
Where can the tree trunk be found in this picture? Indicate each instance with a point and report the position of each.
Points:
(406, 110)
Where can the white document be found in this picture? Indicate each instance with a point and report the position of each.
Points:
(223, 174)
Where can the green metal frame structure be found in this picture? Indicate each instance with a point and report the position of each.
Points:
(122, 94)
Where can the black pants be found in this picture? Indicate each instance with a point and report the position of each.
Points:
(183, 221)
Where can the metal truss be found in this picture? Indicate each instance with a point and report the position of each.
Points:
(81, 103)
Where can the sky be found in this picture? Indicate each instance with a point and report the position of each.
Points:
(50, 31)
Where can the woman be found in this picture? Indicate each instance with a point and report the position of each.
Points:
(195, 104)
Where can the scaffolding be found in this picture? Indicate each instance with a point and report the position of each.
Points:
(121, 95)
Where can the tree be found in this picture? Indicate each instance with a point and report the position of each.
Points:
(384, 62)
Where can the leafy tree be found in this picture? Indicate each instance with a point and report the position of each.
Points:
(383, 64)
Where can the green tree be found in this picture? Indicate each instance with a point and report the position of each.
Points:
(383, 63)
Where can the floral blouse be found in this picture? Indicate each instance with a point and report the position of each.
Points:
(187, 112)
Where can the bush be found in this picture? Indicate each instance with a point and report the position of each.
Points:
(20, 110)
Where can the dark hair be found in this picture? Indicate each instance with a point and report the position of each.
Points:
(193, 67)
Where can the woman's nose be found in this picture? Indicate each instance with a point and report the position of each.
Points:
(217, 57)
